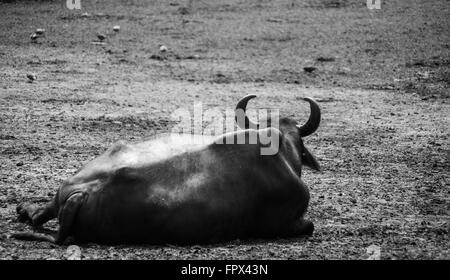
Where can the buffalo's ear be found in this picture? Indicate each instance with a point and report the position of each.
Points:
(309, 160)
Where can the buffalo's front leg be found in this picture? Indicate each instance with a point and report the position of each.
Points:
(66, 216)
(35, 215)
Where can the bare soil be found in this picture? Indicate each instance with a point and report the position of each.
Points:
(380, 76)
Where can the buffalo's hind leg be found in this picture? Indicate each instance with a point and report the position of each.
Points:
(35, 215)
(301, 227)
(66, 216)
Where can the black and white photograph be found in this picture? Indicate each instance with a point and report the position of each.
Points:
(224, 130)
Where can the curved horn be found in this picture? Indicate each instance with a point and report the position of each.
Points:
(241, 118)
(314, 119)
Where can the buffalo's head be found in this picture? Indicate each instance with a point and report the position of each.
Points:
(291, 131)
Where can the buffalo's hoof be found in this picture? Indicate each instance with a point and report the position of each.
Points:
(307, 228)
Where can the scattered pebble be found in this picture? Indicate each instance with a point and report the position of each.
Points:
(374, 252)
(40, 31)
(163, 48)
(34, 37)
(73, 252)
(275, 20)
(325, 59)
(183, 10)
(101, 37)
(309, 69)
(31, 77)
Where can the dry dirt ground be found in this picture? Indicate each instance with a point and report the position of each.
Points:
(381, 78)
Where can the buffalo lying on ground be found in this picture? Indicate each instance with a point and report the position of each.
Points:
(169, 190)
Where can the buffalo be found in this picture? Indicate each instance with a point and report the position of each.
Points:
(167, 190)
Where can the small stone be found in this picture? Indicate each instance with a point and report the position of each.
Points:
(183, 10)
(40, 31)
(163, 48)
(73, 252)
(101, 37)
(309, 69)
(31, 77)
(374, 252)
(325, 59)
(34, 37)
(116, 28)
